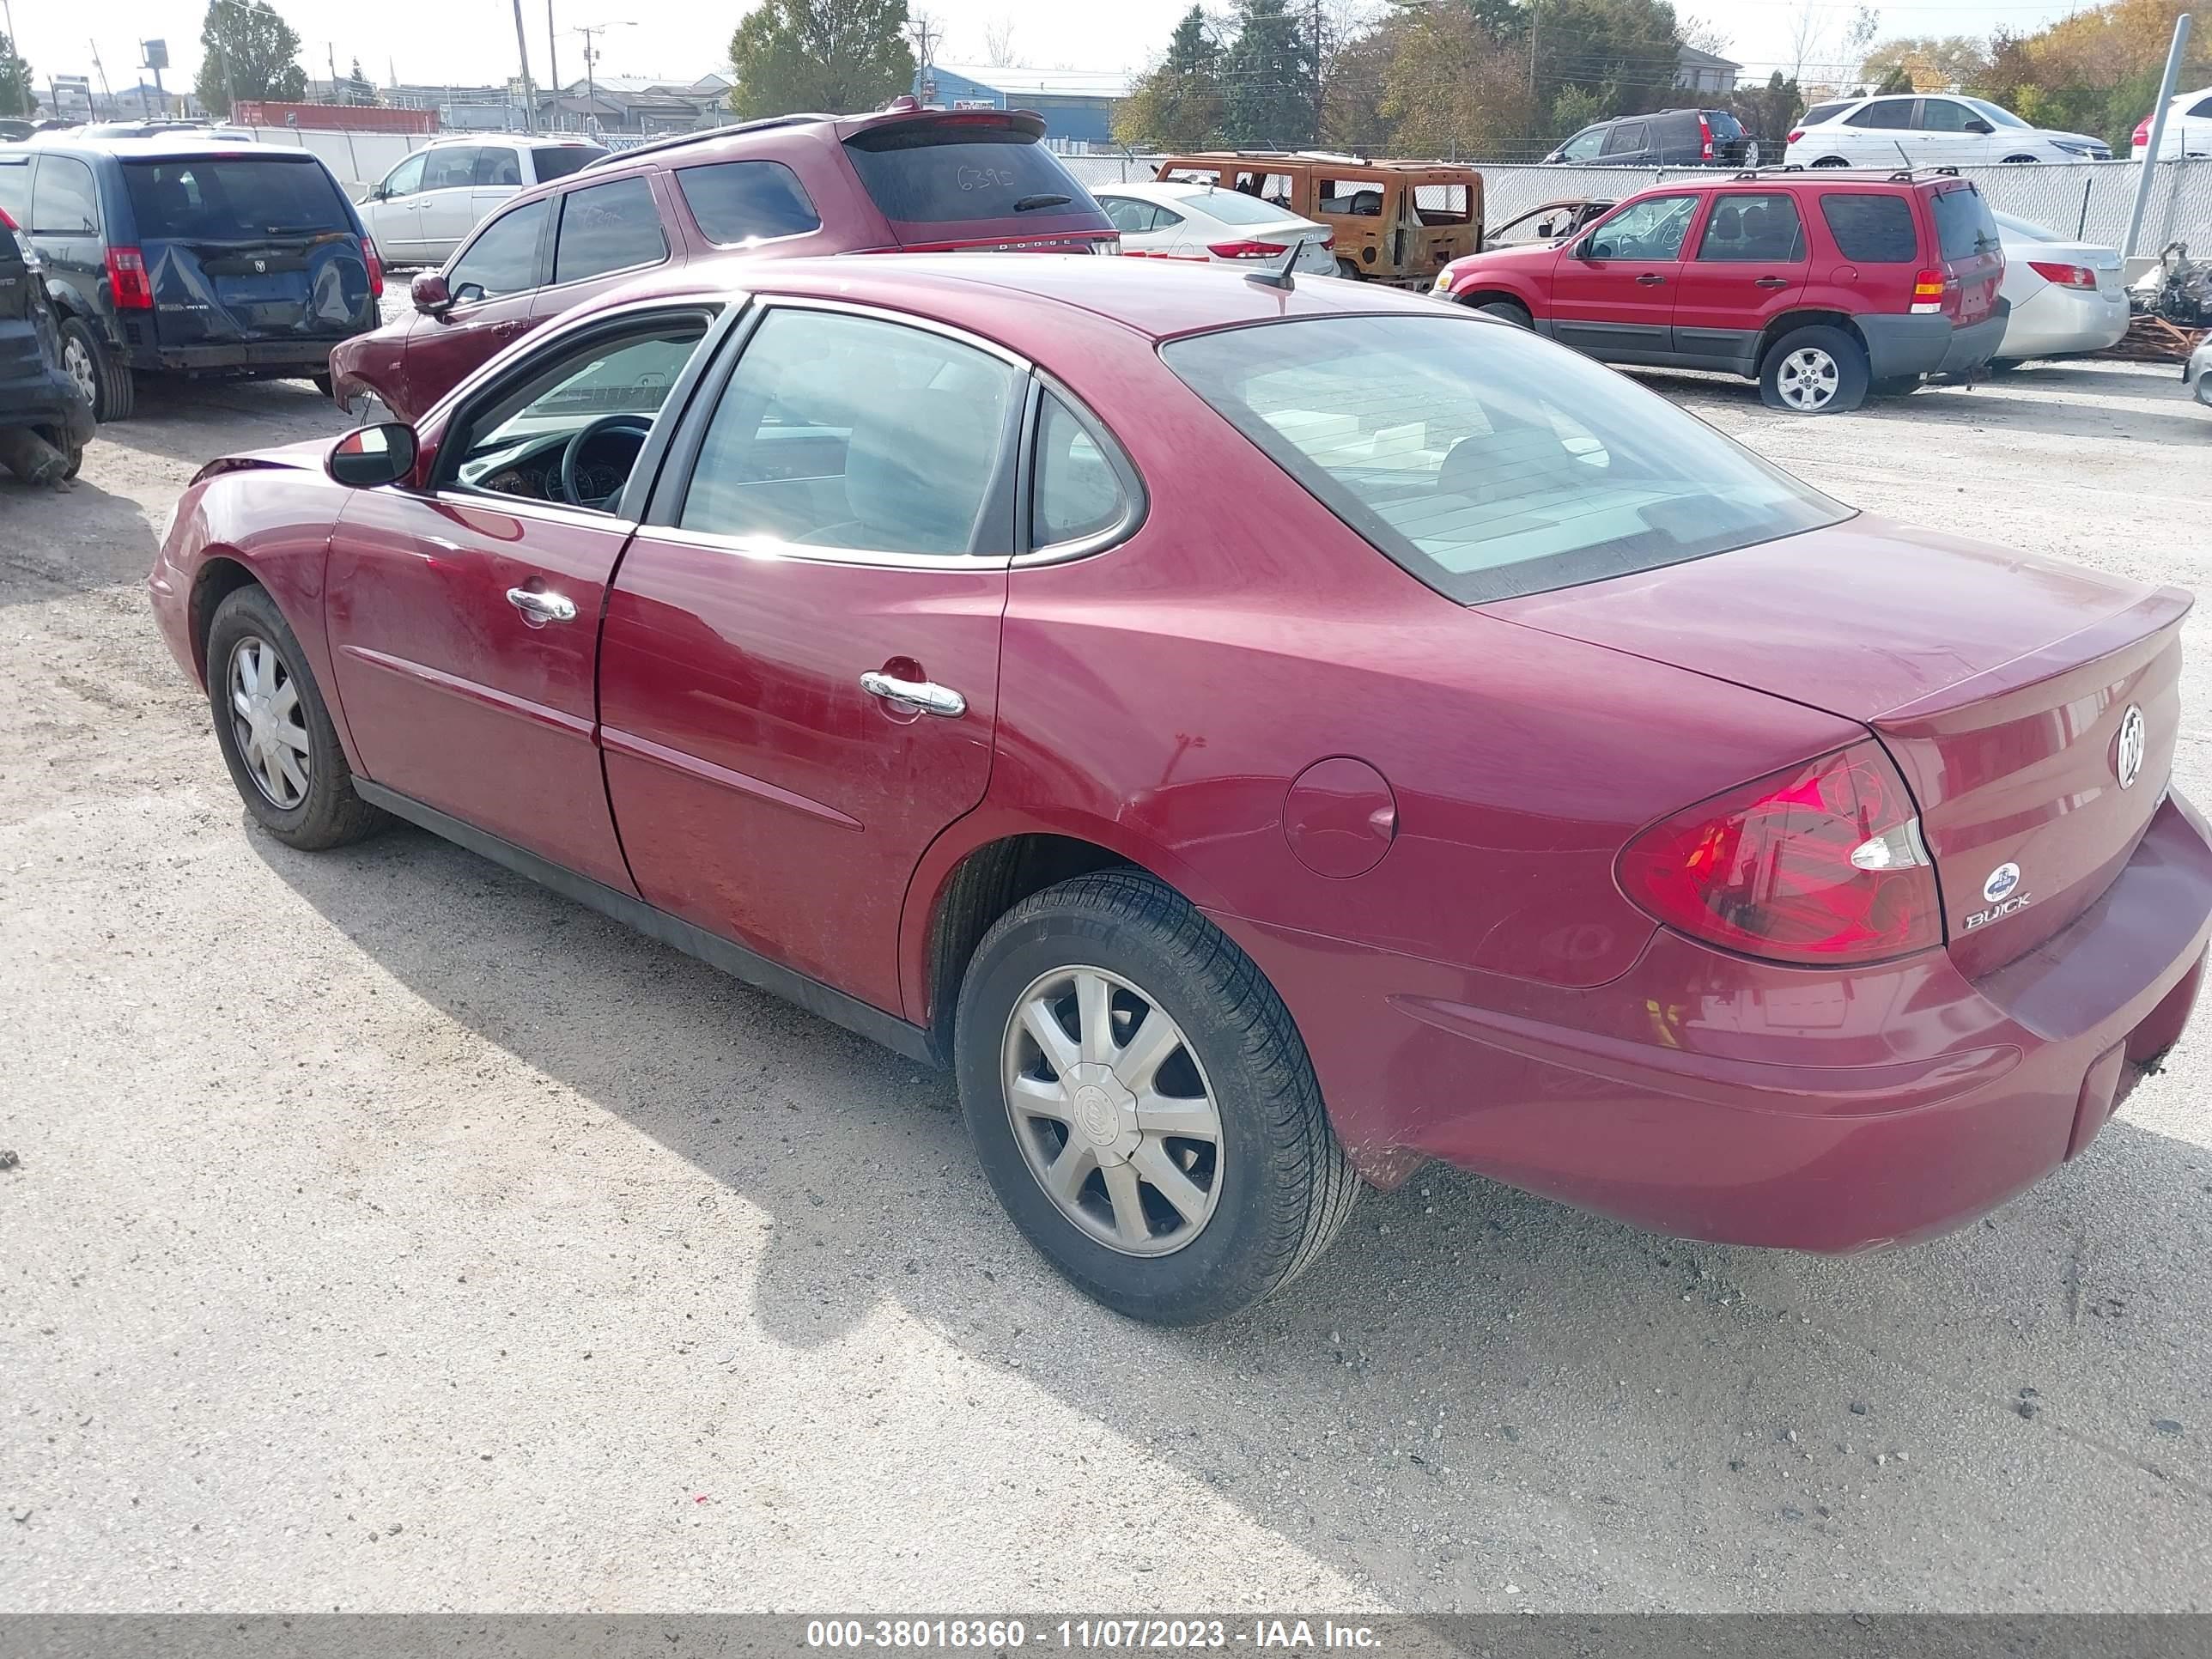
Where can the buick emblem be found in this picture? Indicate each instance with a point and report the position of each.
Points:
(2001, 881)
(2128, 754)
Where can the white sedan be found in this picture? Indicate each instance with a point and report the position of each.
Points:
(1907, 131)
(2188, 128)
(1200, 222)
(2066, 297)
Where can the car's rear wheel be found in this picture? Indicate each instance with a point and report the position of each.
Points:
(274, 731)
(1143, 1105)
(1508, 310)
(321, 383)
(1813, 371)
(1831, 161)
(1348, 270)
(107, 383)
(2013, 159)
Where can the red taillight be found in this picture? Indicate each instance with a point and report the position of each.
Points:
(126, 279)
(1821, 863)
(2142, 130)
(1247, 250)
(375, 267)
(1796, 136)
(1928, 288)
(1706, 132)
(2064, 276)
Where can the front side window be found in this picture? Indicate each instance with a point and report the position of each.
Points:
(1885, 113)
(1874, 230)
(599, 398)
(1272, 188)
(1484, 460)
(1652, 228)
(64, 203)
(610, 226)
(1942, 115)
(407, 178)
(1762, 229)
(846, 432)
(738, 202)
(1584, 146)
(1077, 493)
(503, 258)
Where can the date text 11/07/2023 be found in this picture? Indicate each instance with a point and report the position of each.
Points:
(1003, 1635)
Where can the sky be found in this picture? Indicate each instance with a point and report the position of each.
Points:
(473, 41)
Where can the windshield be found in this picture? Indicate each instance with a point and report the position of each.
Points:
(233, 199)
(928, 173)
(1486, 461)
(1992, 114)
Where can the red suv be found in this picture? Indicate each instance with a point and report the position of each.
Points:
(1821, 286)
(908, 178)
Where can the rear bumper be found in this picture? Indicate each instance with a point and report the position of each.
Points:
(308, 355)
(2055, 320)
(1711, 1097)
(1900, 346)
(46, 397)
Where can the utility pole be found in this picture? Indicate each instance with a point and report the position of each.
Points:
(2160, 111)
(522, 50)
(552, 66)
(100, 70)
(927, 37)
(331, 56)
(1317, 83)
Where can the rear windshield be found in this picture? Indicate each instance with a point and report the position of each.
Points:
(1875, 230)
(931, 173)
(1964, 229)
(559, 161)
(225, 199)
(1233, 207)
(1485, 460)
(1724, 124)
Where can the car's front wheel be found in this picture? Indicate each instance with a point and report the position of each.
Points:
(1143, 1105)
(1817, 370)
(274, 731)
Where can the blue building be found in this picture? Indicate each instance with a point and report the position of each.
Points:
(1078, 106)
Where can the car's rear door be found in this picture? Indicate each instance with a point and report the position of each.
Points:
(464, 615)
(799, 672)
(1748, 265)
(603, 235)
(247, 247)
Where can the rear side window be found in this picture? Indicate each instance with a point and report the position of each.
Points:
(924, 172)
(740, 201)
(503, 259)
(232, 199)
(1077, 495)
(1888, 112)
(1753, 230)
(65, 203)
(1964, 228)
(1358, 197)
(2201, 106)
(497, 164)
(1625, 139)
(1130, 216)
(1443, 204)
(610, 227)
(559, 161)
(15, 188)
(1875, 230)
(1274, 187)
(1482, 460)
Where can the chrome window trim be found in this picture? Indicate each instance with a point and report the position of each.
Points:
(768, 303)
(767, 549)
(1136, 496)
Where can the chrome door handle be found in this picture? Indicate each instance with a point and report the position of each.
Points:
(538, 609)
(930, 698)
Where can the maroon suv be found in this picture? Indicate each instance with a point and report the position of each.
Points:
(1821, 286)
(908, 178)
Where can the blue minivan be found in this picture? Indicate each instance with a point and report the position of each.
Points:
(177, 254)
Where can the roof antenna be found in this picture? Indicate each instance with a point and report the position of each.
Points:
(1279, 275)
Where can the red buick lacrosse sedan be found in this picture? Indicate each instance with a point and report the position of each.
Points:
(1262, 738)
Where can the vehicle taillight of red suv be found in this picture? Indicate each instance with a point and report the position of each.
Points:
(1821, 286)
(907, 178)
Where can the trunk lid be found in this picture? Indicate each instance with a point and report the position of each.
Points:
(2014, 693)
(248, 249)
(1971, 252)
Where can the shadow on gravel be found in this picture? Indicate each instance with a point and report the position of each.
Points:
(172, 418)
(55, 542)
(1971, 1423)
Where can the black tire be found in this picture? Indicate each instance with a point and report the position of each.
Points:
(328, 813)
(1831, 161)
(321, 383)
(60, 440)
(1846, 356)
(1349, 271)
(2017, 161)
(1510, 311)
(114, 392)
(1281, 1185)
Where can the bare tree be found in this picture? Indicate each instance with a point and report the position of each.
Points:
(999, 41)
(1702, 34)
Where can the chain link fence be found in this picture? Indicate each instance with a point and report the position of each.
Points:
(2085, 201)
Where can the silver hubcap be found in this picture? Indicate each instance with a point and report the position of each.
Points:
(1808, 379)
(1112, 1111)
(269, 723)
(76, 363)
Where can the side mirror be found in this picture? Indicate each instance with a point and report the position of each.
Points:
(1979, 126)
(1582, 250)
(373, 455)
(429, 292)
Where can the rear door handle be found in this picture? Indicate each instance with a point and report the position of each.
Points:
(1771, 282)
(1648, 280)
(538, 609)
(924, 695)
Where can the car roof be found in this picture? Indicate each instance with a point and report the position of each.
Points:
(1306, 158)
(1023, 300)
(180, 147)
(1765, 180)
(746, 137)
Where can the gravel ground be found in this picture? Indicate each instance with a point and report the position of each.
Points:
(390, 1235)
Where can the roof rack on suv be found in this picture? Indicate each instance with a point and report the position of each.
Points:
(614, 158)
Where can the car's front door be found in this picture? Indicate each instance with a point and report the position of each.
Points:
(799, 669)
(1946, 133)
(1613, 290)
(464, 615)
(393, 214)
(492, 290)
(1749, 265)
